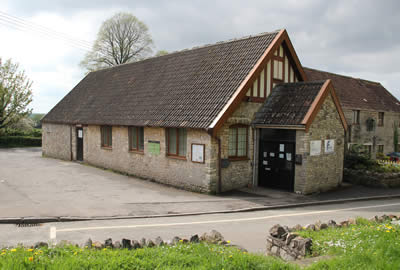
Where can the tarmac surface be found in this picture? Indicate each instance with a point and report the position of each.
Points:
(35, 187)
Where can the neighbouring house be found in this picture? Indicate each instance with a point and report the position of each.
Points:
(371, 111)
(200, 119)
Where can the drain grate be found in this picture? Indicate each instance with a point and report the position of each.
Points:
(24, 225)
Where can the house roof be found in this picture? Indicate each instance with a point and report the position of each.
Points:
(357, 93)
(189, 88)
(295, 105)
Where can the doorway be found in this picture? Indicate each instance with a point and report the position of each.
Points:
(79, 144)
(277, 159)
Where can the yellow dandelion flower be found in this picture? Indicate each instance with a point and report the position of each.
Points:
(75, 253)
(36, 253)
(31, 259)
(244, 252)
(104, 249)
(181, 240)
(228, 241)
(387, 231)
(30, 250)
(230, 256)
(13, 250)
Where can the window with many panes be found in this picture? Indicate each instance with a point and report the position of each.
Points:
(106, 136)
(356, 117)
(176, 142)
(238, 141)
(136, 138)
(381, 116)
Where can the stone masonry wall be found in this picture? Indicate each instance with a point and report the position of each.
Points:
(383, 134)
(324, 171)
(56, 141)
(160, 168)
(239, 173)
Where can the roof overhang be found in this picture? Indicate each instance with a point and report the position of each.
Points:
(239, 94)
(326, 89)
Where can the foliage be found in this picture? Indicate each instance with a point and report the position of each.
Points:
(367, 245)
(15, 94)
(24, 124)
(20, 141)
(161, 53)
(36, 118)
(181, 256)
(121, 39)
(395, 136)
(356, 158)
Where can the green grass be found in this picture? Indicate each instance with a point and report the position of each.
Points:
(181, 256)
(367, 245)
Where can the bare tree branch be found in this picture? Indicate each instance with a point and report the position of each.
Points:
(121, 39)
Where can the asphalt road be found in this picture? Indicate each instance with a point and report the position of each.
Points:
(248, 229)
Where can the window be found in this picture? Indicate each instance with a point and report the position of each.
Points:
(380, 148)
(176, 142)
(238, 141)
(136, 138)
(106, 136)
(380, 118)
(356, 117)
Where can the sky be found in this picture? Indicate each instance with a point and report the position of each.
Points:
(358, 38)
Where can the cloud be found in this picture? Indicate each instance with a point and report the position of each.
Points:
(353, 37)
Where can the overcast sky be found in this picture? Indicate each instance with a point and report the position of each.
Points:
(359, 38)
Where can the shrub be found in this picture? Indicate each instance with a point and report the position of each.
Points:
(18, 141)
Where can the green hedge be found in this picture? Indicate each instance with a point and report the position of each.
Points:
(20, 141)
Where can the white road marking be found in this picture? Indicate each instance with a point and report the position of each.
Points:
(223, 220)
(53, 232)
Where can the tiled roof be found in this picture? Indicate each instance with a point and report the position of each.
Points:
(288, 104)
(183, 89)
(357, 93)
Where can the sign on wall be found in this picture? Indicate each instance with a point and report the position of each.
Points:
(329, 146)
(315, 148)
(153, 147)
(198, 153)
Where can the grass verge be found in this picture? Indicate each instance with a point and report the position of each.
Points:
(181, 256)
(367, 245)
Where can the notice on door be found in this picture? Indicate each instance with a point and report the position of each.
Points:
(315, 148)
(80, 133)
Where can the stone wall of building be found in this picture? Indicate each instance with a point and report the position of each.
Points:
(238, 173)
(158, 167)
(380, 135)
(56, 141)
(324, 171)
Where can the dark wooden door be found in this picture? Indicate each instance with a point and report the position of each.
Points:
(276, 165)
(79, 144)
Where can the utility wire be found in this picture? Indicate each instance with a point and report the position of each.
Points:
(29, 24)
(24, 25)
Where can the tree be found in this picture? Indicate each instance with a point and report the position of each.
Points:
(121, 39)
(161, 53)
(15, 94)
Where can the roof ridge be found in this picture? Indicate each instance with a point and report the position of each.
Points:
(344, 76)
(194, 48)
